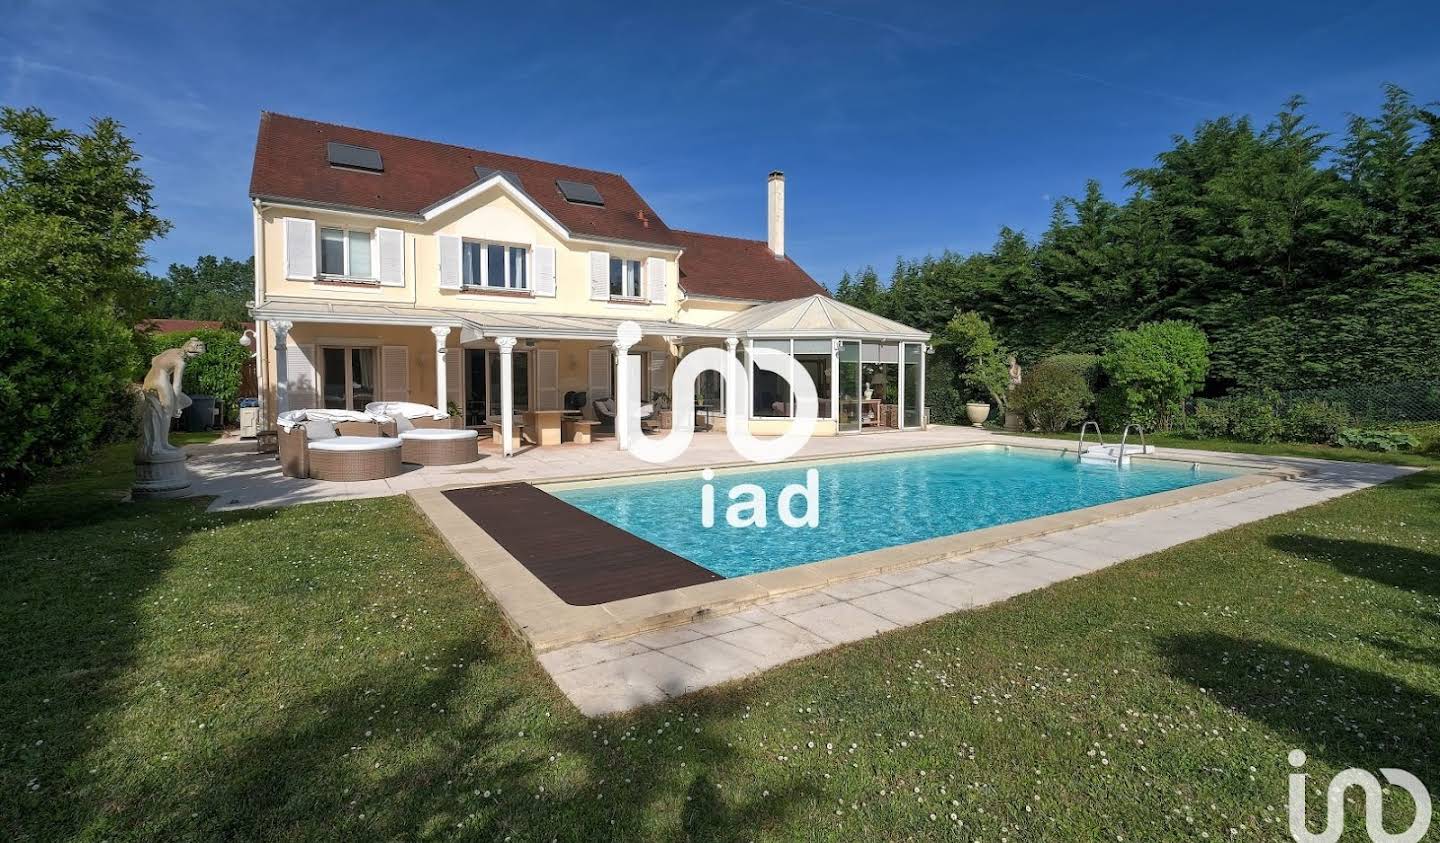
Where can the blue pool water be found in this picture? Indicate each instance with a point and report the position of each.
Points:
(869, 504)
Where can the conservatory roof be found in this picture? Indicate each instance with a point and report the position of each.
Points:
(816, 316)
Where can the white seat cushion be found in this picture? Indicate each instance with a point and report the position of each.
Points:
(355, 443)
(437, 434)
(408, 409)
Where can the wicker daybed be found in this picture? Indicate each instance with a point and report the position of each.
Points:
(428, 436)
(336, 446)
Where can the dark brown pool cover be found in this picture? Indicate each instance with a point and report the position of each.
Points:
(581, 558)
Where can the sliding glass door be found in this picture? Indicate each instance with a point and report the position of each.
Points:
(912, 373)
(848, 413)
(482, 385)
(347, 377)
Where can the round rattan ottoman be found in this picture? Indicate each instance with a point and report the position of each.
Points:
(347, 458)
(435, 446)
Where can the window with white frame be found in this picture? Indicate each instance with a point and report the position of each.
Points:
(624, 278)
(495, 266)
(347, 253)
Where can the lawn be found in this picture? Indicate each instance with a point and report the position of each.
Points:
(330, 672)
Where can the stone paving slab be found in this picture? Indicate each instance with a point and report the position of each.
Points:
(805, 624)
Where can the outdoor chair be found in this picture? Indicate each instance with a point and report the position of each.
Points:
(318, 448)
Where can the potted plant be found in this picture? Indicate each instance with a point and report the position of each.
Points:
(984, 371)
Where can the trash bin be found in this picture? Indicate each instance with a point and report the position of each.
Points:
(200, 415)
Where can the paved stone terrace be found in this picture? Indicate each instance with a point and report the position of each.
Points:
(625, 673)
(618, 675)
(239, 478)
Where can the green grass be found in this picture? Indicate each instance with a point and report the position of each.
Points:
(329, 672)
(1428, 456)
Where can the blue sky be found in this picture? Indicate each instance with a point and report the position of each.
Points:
(904, 128)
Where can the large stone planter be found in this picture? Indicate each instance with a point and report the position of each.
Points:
(977, 412)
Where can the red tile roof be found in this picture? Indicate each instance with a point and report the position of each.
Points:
(732, 267)
(291, 163)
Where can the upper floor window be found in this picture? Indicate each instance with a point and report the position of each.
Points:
(624, 278)
(495, 266)
(346, 253)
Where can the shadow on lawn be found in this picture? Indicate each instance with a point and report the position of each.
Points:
(441, 740)
(1342, 715)
(77, 576)
(1401, 567)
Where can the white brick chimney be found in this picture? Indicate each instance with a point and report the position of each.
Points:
(777, 213)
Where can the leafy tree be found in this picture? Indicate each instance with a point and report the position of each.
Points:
(75, 215)
(214, 288)
(977, 356)
(1154, 368)
(1308, 262)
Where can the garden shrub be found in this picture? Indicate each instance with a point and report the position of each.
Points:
(1211, 420)
(1313, 421)
(941, 394)
(1253, 418)
(982, 371)
(1051, 396)
(63, 381)
(1376, 440)
(1153, 369)
(1087, 366)
(217, 372)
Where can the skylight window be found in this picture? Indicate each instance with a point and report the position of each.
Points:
(354, 157)
(579, 192)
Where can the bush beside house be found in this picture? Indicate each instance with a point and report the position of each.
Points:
(76, 213)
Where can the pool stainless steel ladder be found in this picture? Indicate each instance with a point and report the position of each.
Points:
(1116, 455)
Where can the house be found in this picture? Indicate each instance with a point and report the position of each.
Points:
(390, 268)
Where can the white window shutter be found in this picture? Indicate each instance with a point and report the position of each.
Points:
(600, 276)
(655, 279)
(300, 380)
(454, 386)
(395, 373)
(599, 374)
(658, 381)
(450, 273)
(544, 270)
(547, 378)
(300, 245)
(390, 257)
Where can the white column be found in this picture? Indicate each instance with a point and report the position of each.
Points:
(732, 393)
(442, 389)
(507, 393)
(835, 383)
(622, 394)
(281, 329)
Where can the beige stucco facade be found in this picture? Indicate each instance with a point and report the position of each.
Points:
(417, 305)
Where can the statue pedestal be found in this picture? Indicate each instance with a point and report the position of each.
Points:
(162, 477)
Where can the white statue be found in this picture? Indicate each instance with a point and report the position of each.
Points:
(160, 466)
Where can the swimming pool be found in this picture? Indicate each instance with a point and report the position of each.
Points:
(867, 504)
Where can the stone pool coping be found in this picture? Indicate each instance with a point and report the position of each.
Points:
(546, 623)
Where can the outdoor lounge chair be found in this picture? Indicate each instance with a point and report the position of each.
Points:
(319, 449)
(605, 413)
